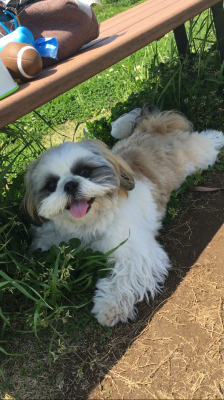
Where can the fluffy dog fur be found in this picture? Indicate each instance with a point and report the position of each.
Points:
(101, 196)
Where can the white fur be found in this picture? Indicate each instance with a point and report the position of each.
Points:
(140, 265)
(124, 125)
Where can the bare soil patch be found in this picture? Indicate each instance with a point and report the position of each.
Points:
(173, 350)
(180, 352)
(179, 355)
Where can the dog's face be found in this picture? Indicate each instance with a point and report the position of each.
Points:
(74, 181)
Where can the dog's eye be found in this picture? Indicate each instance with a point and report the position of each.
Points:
(85, 172)
(51, 186)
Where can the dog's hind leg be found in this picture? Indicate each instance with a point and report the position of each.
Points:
(201, 149)
(124, 126)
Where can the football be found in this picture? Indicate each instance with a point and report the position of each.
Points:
(22, 60)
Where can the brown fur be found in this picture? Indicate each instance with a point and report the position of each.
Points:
(122, 168)
(28, 204)
(163, 123)
(30, 208)
(147, 158)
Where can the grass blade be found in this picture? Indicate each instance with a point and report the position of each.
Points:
(54, 280)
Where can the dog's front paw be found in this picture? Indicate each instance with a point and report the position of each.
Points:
(110, 310)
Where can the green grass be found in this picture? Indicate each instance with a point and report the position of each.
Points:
(43, 289)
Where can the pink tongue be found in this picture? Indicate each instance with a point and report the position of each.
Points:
(78, 208)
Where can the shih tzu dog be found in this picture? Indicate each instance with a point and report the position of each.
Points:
(104, 196)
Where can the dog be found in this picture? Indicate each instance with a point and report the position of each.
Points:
(104, 197)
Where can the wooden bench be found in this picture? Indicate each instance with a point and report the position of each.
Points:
(119, 37)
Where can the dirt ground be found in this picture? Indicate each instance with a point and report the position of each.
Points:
(173, 350)
(180, 352)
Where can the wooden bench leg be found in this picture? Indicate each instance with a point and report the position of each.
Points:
(181, 40)
(218, 15)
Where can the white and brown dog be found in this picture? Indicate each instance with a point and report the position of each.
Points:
(103, 197)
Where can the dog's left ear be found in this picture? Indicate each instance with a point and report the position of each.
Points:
(126, 179)
(30, 209)
(124, 173)
(28, 204)
(122, 169)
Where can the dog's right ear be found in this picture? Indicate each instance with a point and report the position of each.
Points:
(29, 206)
(123, 170)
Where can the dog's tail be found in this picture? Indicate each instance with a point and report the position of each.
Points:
(167, 122)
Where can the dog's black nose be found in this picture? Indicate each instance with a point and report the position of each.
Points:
(71, 187)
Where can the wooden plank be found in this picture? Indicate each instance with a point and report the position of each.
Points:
(218, 15)
(119, 37)
(181, 41)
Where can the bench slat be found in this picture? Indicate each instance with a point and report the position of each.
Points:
(119, 37)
